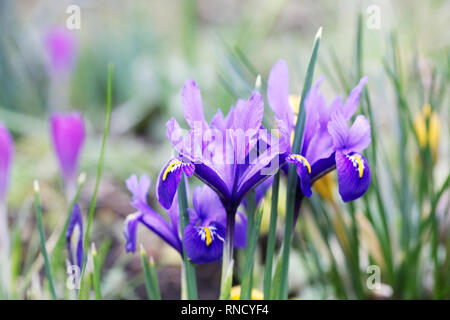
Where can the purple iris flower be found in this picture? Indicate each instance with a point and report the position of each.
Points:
(76, 221)
(328, 142)
(6, 156)
(232, 154)
(61, 49)
(203, 236)
(68, 133)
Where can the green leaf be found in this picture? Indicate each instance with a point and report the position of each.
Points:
(292, 175)
(48, 269)
(246, 286)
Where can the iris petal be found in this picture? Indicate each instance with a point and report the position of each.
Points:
(130, 231)
(353, 175)
(204, 244)
(169, 178)
(303, 172)
(76, 220)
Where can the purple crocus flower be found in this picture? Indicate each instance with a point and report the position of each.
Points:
(226, 154)
(61, 49)
(203, 236)
(328, 142)
(76, 221)
(6, 156)
(68, 133)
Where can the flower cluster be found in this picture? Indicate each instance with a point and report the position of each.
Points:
(234, 154)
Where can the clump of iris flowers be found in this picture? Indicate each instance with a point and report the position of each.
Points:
(328, 141)
(231, 154)
(203, 236)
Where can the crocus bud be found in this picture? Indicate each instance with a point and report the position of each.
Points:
(61, 48)
(6, 155)
(68, 136)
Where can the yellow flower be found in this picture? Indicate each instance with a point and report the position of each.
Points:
(428, 136)
(236, 294)
(325, 187)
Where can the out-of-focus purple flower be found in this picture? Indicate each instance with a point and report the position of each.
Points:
(6, 156)
(328, 142)
(225, 154)
(61, 49)
(68, 133)
(203, 236)
(76, 220)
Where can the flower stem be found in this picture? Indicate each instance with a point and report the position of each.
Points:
(227, 258)
(272, 237)
(100, 165)
(96, 274)
(189, 267)
(246, 286)
(48, 270)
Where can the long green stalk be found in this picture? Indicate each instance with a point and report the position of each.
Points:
(189, 267)
(96, 274)
(292, 175)
(100, 165)
(48, 270)
(246, 286)
(272, 237)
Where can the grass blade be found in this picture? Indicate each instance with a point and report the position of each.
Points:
(99, 165)
(96, 274)
(292, 175)
(272, 237)
(151, 279)
(48, 270)
(246, 286)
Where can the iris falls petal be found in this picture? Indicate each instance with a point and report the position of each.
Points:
(169, 178)
(353, 175)
(204, 244)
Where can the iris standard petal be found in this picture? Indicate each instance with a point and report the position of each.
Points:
(278, 93)
(359, 135)
(204, 244)
(139, 190)
(250, 113)
(76, 221)
(191, 100)
(338, 130)
(6, 156)
(169, 178)
(351, 104)
(353, 175)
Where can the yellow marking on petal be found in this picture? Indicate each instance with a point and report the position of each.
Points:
(208, 236)
(304, 161)
(360, 165)
(166, 172)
